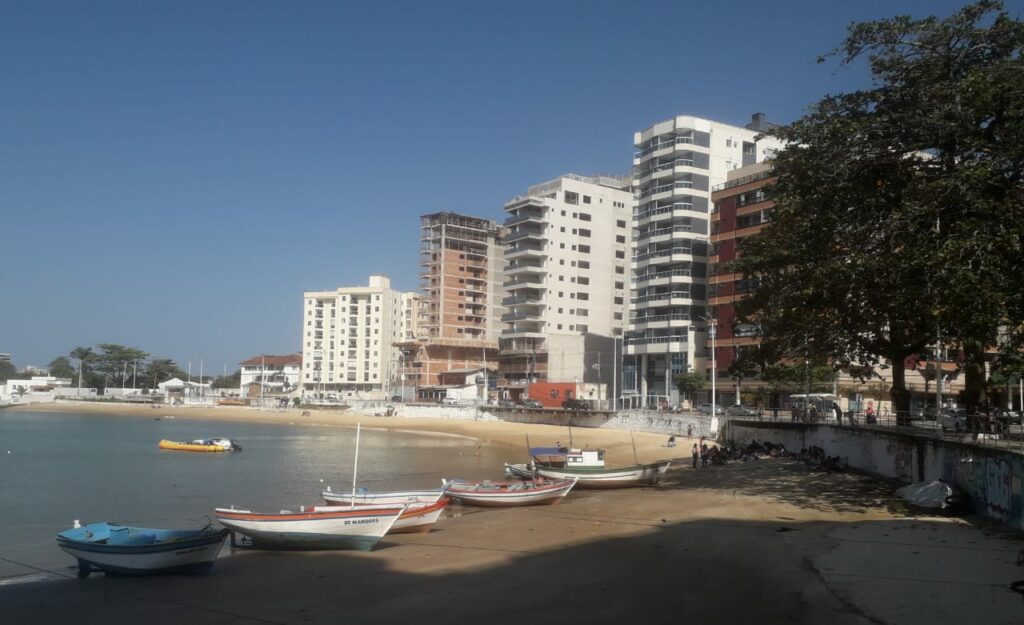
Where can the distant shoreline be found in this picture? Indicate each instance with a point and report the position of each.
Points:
(649, 447)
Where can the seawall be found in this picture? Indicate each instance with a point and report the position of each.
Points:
(991, 477)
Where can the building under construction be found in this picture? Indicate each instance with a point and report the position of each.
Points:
(461, 274)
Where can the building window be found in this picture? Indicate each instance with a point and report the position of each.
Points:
(582, 295)
(574, 230)
(584, 232)
(619, 223)
(562, 229)
(563, 215)
(619, 285)
(620, 238)
(585, 249)
(618, 316)
(585, 216)
(582, 312)
(562, 246)
(620, 254)
(618, 300)
(559, 326)
(583, 264)
(586, 199)
(620, 269)
(572, 197)
(582, 280)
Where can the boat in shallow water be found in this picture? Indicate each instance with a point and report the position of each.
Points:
(202, 444)
(112, 548)
(519, 493)
(323, 527)
(586, 465)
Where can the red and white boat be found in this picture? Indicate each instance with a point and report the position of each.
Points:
(519, 493)
(327, 527)
(398, 497)
(418, 518)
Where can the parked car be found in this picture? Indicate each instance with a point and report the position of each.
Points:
(739, 411)
(706, 409)
(396, 398)
(532, 404)
(506, 403)
(575, 404)
(450, 401)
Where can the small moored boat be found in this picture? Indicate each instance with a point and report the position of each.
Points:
(326, 527)
(125, 550)
(521, 493)
(363, 498)
(418, 518)
(559, 463)
(201, 444)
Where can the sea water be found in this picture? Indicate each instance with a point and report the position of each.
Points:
(59, 467)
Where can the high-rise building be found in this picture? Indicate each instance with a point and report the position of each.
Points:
(348, 338)
(675, 165)
(567, 275)
(459, 308)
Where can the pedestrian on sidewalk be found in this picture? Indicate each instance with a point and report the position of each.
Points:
(696, 455)
(704, 456)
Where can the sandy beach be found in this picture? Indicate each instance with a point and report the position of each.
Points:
(796, 544)
(618, 443)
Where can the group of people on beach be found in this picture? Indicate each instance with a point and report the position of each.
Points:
(704, 454)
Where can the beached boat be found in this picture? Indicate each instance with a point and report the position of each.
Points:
(521, 493)
(141, 551)
(202, 444)
(325, 527)
(559, 463)
(363, 498)
(418, 518)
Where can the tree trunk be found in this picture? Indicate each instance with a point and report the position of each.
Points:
(899, 394)
(975, 397)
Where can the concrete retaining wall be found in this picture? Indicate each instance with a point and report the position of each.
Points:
(640, 421)
(992, 478)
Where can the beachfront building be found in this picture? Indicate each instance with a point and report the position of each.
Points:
(270, 375)
(742, 208)
(348, 338)
(459, 320)
(675, 166)
(566, 284)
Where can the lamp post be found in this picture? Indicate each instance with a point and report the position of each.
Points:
(714, 364)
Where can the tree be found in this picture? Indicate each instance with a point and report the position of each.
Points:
(7, 370)
(160, 370)
(60, 367)
(795, 379)
(117, 361)
(898, 208)
(228, 381)
(83, 355)
(689, 383)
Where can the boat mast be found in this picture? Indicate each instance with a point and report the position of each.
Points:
(635, 459)
(355, 467)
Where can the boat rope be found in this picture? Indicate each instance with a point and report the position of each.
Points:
(36, 568)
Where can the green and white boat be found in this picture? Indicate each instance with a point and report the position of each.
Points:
(587, 467)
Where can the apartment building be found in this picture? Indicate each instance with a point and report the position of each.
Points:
(348, 338)
(566, 283)
(459, 309)
(675, 166)
(742, 208)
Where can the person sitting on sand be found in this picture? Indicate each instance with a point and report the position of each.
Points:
(672, 441)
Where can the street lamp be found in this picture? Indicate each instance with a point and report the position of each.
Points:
(712, 325)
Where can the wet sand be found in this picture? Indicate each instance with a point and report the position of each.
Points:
(762, 542)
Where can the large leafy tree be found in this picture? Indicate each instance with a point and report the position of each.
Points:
(115, 361)
(160, 370)
(7, 370)
(84, 356)
(899, 207)
(61, 367)
(689, 383)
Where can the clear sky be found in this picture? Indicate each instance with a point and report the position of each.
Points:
(173, 175)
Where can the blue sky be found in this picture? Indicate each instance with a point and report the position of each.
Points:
(173, 175)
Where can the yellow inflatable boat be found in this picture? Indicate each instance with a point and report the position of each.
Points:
(212, 444)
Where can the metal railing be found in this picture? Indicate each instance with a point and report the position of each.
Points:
(662, 231)
(657, 318)
(663, 274)
(679, 206)
(650, 297)
(761, 175)
(647, 340)
(660, 253)
(664, 145)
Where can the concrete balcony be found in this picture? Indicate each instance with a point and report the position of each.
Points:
(523, 284)
(526, 253)
(526, 235)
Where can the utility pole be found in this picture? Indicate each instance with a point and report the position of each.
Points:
(615, 373)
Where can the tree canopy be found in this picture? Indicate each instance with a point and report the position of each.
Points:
(898, 207)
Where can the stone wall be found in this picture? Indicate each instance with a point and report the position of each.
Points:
(992, 478)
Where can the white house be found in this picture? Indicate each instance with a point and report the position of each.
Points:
(274, 374)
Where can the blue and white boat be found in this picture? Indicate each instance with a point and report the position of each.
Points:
(125, 550)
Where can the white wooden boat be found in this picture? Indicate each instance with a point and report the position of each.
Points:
(419, 518)
(588, 467)
(326, 527)
(393, 498)
(519, 493)
(141, 551)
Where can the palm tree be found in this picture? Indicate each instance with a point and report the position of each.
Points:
(81, 354)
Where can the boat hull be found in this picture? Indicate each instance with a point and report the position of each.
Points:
(330, 527)
(397, 498)
(419, 518)
(185, 556)
(179, 446)
(625, 477)
(477, 494)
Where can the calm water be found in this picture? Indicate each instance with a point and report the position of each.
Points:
(58, 467)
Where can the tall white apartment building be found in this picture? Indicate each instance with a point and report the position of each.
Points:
(566, 281)
(348, 338)
(675, 166)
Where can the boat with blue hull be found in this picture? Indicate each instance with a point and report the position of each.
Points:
(118, 549)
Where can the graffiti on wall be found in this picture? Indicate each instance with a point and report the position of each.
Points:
(902, 460)
(992, 481)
